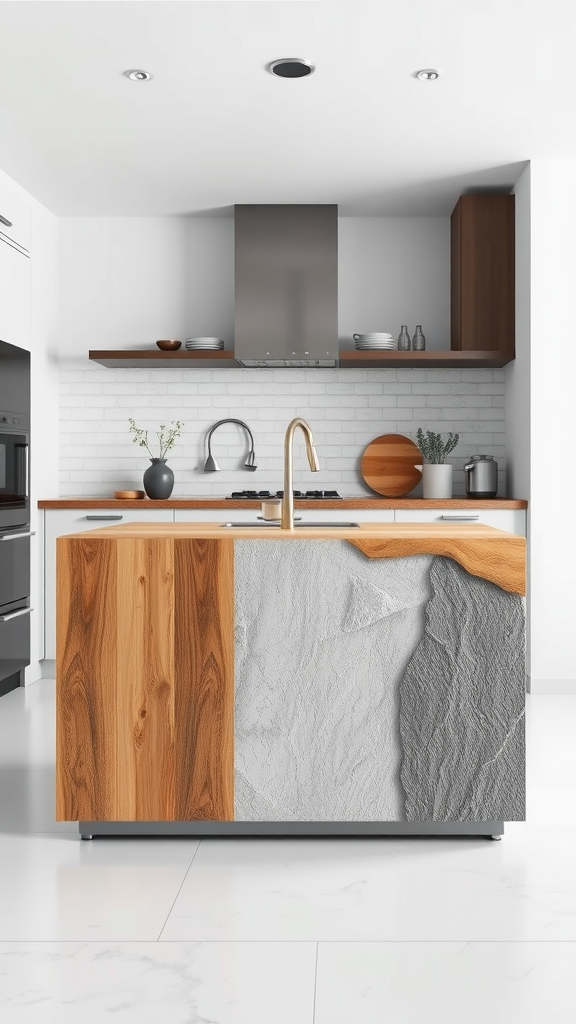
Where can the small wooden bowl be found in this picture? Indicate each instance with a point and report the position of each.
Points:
(129, 494)
(169, 345)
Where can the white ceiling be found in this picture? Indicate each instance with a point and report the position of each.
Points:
(213, 128)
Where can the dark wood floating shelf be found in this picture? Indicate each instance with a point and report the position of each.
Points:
(146, 359)
(449, 358)
(154, 359)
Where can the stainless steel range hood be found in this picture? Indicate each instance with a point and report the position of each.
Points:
(286, 285)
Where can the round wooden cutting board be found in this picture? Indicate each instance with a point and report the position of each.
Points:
(389, 465)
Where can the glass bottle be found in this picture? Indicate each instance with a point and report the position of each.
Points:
(404, 339)
(418, 341)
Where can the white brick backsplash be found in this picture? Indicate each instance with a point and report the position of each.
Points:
(411, 401)
(411, 376)
(397, 389)
(459, 401)
(493, 414)
(448, 376)
(477, 376)
(463, 389)
(346, 409)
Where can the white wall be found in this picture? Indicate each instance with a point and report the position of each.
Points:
(44, 395)
(122, 282)
(126, 281)
(518, 372)
(394, 271)
(122, 285)
(518, 377)
(553, 373)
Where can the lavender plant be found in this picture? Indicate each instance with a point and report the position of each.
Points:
(433, 449)
(166, 437)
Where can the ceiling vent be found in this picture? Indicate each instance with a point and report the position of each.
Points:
(290, 67)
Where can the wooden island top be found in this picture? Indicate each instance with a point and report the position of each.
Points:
(483, 551)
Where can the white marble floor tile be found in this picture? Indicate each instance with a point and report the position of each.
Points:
(446, 983)
(55, 887)
(560, 848)
(153, 983)
(362, 889)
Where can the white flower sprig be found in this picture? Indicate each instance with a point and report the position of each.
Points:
(166, 437)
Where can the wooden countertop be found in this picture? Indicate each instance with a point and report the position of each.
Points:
(483, 551)
(356, 501)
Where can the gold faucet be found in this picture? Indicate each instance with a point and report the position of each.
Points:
(288, 499)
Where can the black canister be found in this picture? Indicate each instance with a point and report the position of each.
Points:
(481, 477)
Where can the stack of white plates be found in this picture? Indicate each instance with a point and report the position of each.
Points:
(212, 344)
(374, 341)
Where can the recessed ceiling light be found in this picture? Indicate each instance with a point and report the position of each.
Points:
(428, 74)
(137, 75)
(290, 67)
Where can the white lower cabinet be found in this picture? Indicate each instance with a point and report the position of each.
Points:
(513, 520)
(58, 522)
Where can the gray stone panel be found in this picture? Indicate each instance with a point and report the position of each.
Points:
(323, 637)
(462, 704)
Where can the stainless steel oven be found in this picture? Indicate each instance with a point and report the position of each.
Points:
(14, 470)
(15, 536)
(14, 643)
(14, 605)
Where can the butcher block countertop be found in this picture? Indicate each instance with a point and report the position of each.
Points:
(483, 551)
(367, 502)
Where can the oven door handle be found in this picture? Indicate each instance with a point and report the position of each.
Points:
(22, 469)
(16, 614)
(17, 536)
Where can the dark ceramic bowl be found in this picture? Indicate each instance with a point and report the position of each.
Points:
(169, 345)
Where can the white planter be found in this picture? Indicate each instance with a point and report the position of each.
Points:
(436, 480)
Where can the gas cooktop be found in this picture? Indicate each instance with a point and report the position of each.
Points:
(302, 495)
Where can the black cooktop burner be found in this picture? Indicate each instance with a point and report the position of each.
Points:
(302, 495)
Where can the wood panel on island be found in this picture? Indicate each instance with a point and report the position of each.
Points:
(145, 680)
(195, 665)
(482, 304)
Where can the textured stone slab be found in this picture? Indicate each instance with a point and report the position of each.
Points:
(462, 704)
(323, 637)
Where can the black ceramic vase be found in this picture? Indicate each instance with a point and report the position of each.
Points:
(158, 479)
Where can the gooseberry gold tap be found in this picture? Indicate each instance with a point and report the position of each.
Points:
(288, 499)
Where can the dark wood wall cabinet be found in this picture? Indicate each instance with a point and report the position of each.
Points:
(482, 257)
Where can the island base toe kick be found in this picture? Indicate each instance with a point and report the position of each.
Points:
(290, 686)
(277, 829)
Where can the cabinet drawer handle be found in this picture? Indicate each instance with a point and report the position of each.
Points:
(460, 518)
(16, 536)
(103, 517)
(15, 615)
(7, 223)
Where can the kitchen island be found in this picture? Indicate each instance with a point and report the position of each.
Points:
(216, 680)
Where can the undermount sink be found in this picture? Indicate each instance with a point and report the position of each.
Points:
(276, 526)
